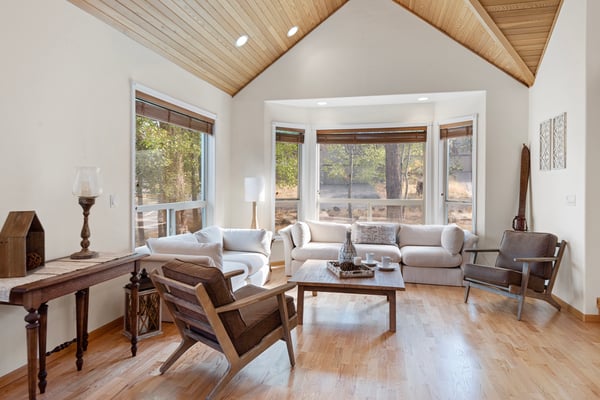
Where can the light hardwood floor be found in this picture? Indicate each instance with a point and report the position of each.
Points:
(443, 349)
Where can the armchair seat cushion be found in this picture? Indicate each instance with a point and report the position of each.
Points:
(261, 318)
(501, 276)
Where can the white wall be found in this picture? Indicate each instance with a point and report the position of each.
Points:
(66, 101)
(560, 86)
(375, 47)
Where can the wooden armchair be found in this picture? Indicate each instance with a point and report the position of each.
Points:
(526, 265)
(240, 324)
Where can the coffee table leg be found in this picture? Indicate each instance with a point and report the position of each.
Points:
(300, 301)
(392, 300)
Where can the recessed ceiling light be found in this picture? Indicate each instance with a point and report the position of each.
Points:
(293, 30)
(242, 40)
(423, 99)
(321, 103)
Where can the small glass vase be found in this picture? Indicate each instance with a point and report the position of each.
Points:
(347, 251)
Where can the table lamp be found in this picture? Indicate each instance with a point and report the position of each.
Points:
(254, 189)
(87, 187)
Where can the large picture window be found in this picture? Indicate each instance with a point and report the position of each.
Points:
(457, 143)
(372, 174)
(288, 167)
(170, 160)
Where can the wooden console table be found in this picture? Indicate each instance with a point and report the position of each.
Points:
(58, 278)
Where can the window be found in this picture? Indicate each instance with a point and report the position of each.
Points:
(457, 143)
(288, 157)
(170, 165)
(374, 174)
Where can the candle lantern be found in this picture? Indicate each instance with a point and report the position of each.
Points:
(149, 309)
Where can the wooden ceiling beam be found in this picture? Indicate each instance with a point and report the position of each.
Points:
(526, 76)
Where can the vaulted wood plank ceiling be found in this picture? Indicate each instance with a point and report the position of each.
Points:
(200, 36)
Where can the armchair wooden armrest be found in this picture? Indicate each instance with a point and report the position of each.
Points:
(481, 250)
(236, 305)
(535, 259)
(230, 274)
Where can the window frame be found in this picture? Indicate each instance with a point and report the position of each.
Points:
(208, 163)
(443, 169)
(354, 133)
(300, 202)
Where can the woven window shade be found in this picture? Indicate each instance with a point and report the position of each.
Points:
(289, 135)
(456, 129)
(152, 107)
(373, 135)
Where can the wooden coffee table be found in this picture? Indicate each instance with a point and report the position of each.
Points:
(314, 276)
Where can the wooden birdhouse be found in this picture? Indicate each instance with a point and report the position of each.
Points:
(21, 244)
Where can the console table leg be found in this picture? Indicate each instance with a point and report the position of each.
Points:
(86, 307)
(80, 318)
(32, 330)
(42, 335)
(133, 322)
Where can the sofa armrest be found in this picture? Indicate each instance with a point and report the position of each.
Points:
(288, 246)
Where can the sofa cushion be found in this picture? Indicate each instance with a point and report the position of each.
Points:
(420, 235)
(317, 250)
(374, 233)
(331, 232)
(300, 234)
(252, 261)
(249, 240)
(182, 247)
(210, 234)
(429, 256)
(453, 238)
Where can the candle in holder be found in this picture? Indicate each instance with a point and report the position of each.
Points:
(357, 261)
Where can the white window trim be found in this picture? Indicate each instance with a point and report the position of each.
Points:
(311, 139)
(302, 172)
(441, 178)
(209, 174)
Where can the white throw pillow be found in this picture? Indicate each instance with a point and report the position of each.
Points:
(374, 233)
(210, 234)
(300, 234)
(331, 232)
(453, 238)
(179, 247)
(252, 240)
(183, 237)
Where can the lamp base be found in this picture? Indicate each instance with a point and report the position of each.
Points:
(84, 255)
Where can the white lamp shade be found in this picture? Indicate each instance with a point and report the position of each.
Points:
(87, 182)
(254, 188)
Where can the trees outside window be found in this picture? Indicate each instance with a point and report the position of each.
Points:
(170, 162)
(372, 174)
(288, 157)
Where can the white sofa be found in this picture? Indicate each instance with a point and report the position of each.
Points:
(430, 254)
(230, 249)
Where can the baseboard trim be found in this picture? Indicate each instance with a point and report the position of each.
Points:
(575, 312)
(277, 263)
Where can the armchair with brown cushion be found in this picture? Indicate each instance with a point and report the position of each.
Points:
(240, 324)
(526, 265)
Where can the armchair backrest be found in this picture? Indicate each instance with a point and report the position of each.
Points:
(516, 244)
(190, 312)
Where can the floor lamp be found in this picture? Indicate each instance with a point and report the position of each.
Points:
(254, 190)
